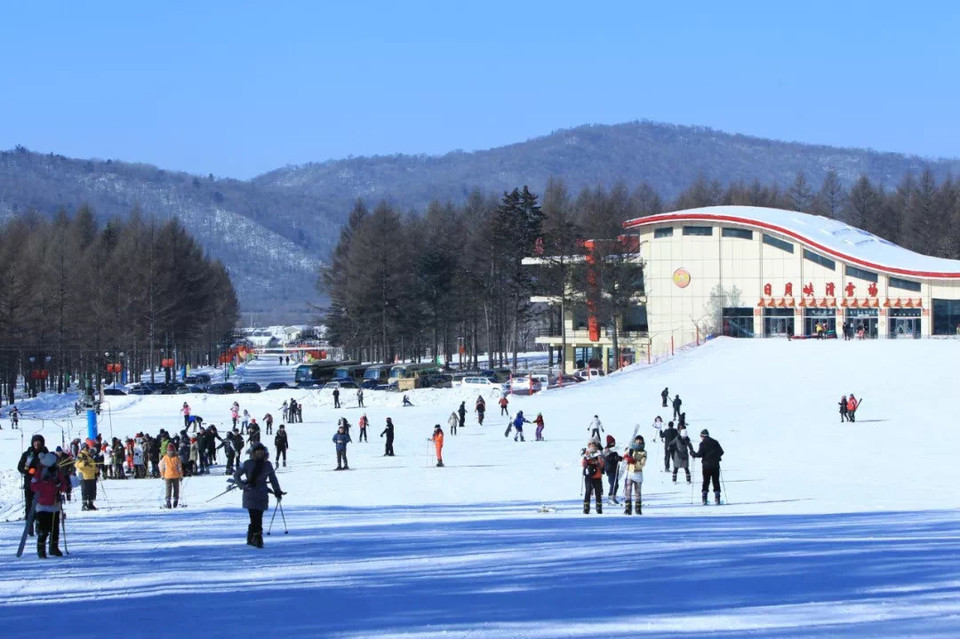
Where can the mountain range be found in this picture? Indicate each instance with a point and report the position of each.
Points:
(273, 232)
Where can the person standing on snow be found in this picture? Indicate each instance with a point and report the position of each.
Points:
(281, 443)
(681, 451)
(503, 406)
(852, 405)
(359, 398)
(47, 485)
(710, 452)
(388, 431)
(185, 411)
(87, 467)
(843, 409)
(452, 422)
(462, 412)
(657, 427)
(257, 471)
(635, 459)
(611, 466)
(595, 428)
(229, 451)
(171, 469)
(518, 423)
(363, 422)
(28, 466)
(438, 443)
(668, 435)
(341, 439)
(592, 463)
(336, 398)
(481, 408)
(664, 395)
(539, 422)
(676, 406)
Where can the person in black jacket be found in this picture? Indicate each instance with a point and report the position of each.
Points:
(710, 452)
(676, 406)
(388, 431)
(669, 436)
(336, 398)
(28, 466)
(611, 466)
(664, 395)
(462, 412)
(280, 441)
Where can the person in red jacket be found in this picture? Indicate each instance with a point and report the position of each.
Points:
(503, 406)
(852, 405)
(47, 485)
(592, 464)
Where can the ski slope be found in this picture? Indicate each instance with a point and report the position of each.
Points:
(830, 529)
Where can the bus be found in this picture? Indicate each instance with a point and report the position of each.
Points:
(407, 375)
(353, 373)
(376, 375)
(318, 373)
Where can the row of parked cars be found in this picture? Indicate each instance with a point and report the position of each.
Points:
(194, 384)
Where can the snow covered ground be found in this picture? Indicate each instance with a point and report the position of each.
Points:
(830, 529)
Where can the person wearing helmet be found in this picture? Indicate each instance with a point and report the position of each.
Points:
(171, 469)
(252, 477)
(518, 423)
(47, 485)
(27, 467)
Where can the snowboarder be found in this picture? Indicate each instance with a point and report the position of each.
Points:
(88, 470)
(359, 398)
(592, 463)
(635, 459)
(452, 423)
(668, 435)
(518, 423)
(843, 409)
(336, 398)
(462, 412)
(438, 443)
(388, 431)
(47, 485)
(681, 451)
(363, 422)
(257, 470)
(481, 408)
(710, 453)
(28, 466)
(281, 442)
(664, 395)
(539, 422)
(595, 428)
(341, 439)
(676, 406)
(611, 464)
(171, 470)
(852, 405)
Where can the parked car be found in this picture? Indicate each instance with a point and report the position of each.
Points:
(523, 385)
(248, 387)
(477, 382)
(222, 388)
(196, 388)
(439, 380)
(181, 389)
(566, 380)
(341, 384)
(113, 391)
(140, 390)
(278, 386)
(200, 379)
(589, 373)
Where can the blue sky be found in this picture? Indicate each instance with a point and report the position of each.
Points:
(239, 88)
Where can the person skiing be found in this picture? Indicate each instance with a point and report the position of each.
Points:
(681, 451)
(852, 405)
(595, 428)
(503, 406)
(171, 470)
(710, 452)
(388, 431)
(359, 398)
(657, 427)
(363, 422)
(480, 407)
(47, 485)
(87, 467)
(452, 423)
(592, 463)
(257, 471)
(438, 443)
(281, 443)
(336, 398)
(185, 411)
(341, 438)
(539, 422)
(677, 402)
(518, 423)
(635, 459)
(664, 395)
(462, 412)
(229, 451)
(28, 466)
(611, 465)
(843, 409)
(183, 451)
(668, 435)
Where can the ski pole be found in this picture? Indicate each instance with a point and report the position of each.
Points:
(283, 517)
(723, 485)
(270, 527)
(63, 526)
(104, 489)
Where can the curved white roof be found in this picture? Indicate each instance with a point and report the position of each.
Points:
(825, 235)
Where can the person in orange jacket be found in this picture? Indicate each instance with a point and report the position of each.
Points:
(503, 406)
(171, 469)
(592, 463)
(852, 405)
(438, 443)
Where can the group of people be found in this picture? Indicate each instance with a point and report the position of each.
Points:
(342, 437)
(292, 411)
(336, 398)
(848, 408)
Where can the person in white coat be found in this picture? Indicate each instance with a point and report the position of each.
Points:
(453, 422)
(595, 428)
(635, 458)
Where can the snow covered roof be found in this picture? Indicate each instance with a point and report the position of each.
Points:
(825, 235)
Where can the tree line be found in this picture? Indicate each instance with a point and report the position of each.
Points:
(76, 294)
(449, 283)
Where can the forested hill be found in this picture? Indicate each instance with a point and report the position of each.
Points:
(667, 157)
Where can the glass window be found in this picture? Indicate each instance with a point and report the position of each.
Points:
(859, 273)
(663, 232)
(580, 318)
(744, 234)
(698, 230)
(738, 321)
(819, 259)
(780, 244)
(635, 319)
(907, 285)
(946, 317)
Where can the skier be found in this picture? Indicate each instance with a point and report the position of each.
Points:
(47, 485)
(462, 412)
(229, 452)
(852, 405)
(539, 422)
(28, 466)
(668, 435)
(257, 471)
(336, 398)
(363, 422)
(185, 411)
(237, 440)
(88, 470)
(452, 422)
(171, 469)
(438, 443)
(388, 431)
(676, 406)
(843, 409)
(592, 463)
(359, 398)
(481, 408)
(341, 439)
(281, 442)
(710, 452)
(657, 427)
(503, 406)
(635, 459)
(682, 449)
(518, 423)
(664, 395)
(595, 428)
(268, 420)
(611, 464)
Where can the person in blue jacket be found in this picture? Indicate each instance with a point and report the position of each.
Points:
(518, 423)
(341, 439)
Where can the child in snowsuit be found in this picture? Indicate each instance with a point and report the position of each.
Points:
(438, 443)
(88, 470)
(257, 471)
(611, 465)
(592, 463)
(635, 459)
(852, 405)
(171, 469)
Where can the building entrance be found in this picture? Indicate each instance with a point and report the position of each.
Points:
(904, 322)
(864, 319)
(777, 322)
(825, 316)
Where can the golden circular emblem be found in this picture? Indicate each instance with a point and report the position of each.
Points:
(681, 277)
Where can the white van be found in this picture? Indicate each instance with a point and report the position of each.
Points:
(482, 382)
(590, 373)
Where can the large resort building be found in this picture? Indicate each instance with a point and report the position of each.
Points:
(759, 272)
